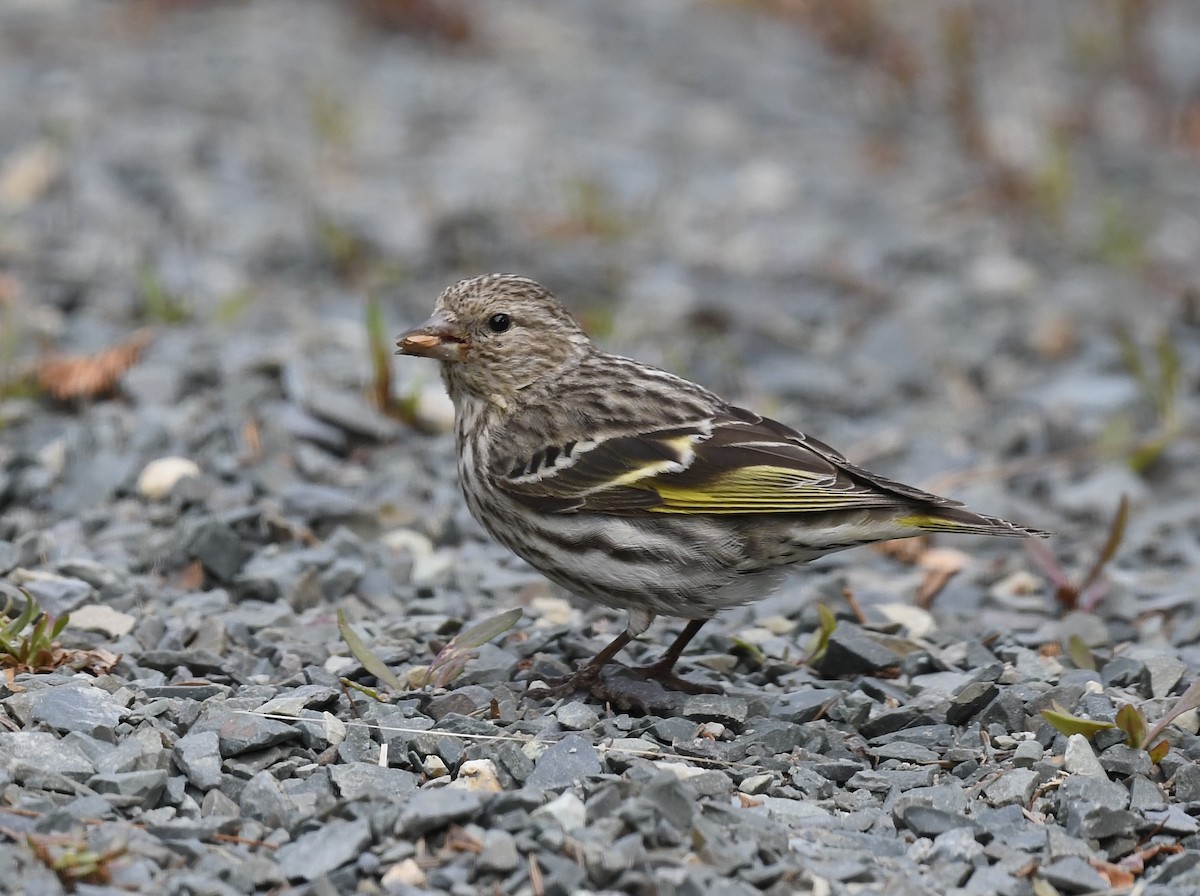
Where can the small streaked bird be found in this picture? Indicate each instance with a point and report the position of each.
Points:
(638, 489)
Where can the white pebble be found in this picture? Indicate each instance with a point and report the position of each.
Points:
(1080, 759)
(479, 775)
(434, 767)
(160, 476)
(567, 810)
(103, 619)
(407, 873)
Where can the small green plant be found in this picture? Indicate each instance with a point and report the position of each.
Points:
(1131, 720)
(826, 626)
(446, 666)
(1090, 590)
(959, 49)
(1158, 374)
(380, 349)
(372, 663)
(159, 303)
(1119, 242)
(233, 306)
(452, 659)
(73, 860)
(27, 643)
(331, 119)
(1053, 181)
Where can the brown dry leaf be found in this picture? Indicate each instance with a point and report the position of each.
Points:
(28, 173)
(942, 564)
(906, 550)
(191, 577)
(97, 661)
(68, 377)
(933, 583)
(1118, 878)
(443, 19)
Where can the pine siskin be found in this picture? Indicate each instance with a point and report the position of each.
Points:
(635, 488)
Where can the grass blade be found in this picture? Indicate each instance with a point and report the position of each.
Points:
(363, 654)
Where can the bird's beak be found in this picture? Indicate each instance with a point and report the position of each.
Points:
(438, 338)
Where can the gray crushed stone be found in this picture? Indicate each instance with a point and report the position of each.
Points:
(722, 189)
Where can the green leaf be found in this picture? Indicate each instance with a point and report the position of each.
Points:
(1132, 721)
(479, 634)
(1188, 700)
(363, 654)
(826, 626)
(452, 658)
(1065, 723)
(59, 624)
(380, 351)
(1116, 533)
(751, 650)
(1168, 376)
(1080, 653)
(21, 622)
(363, 689)
(1159, 751)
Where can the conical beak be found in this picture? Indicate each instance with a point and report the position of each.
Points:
(438, 338)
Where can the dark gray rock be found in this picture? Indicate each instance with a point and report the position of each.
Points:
(1013, 787)
(319, 502)
(884, 780)
(294, 701)
(263, 798)
(904, 752)
(1124, 760)
(1145, 794)
(1187, 782)
(243, 733)
(198, 756)
(1073, 875)
(1094, 790)
(576, 716)
(729, 711)
(851, 651)
(198, 662)
(429, 810)
(124, 789)
(562, 764)
(1124, 672)
(27, 755)
(366, 780)
(1172, 820)
(320, 852)
(218, 548)
(925, 821)
(85, 709)
(969, 701)
(803, 706)
(499, 853)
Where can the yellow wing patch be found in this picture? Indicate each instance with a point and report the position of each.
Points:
(758, 489)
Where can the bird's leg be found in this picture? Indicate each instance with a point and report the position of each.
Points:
(587, 676)
(661, 669)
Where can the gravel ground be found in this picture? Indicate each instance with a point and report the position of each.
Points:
(958, 241)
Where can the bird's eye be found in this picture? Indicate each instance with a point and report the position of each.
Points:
(498, 323)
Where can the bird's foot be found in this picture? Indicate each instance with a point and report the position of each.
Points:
(589, 679)
(584, 679)
(663, 674)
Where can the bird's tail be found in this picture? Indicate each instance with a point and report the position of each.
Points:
(967, 522)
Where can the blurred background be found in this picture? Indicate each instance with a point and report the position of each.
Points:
(959, 240)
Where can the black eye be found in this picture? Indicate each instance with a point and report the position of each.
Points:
(498, 323)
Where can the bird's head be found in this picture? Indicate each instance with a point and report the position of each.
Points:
(497, 334)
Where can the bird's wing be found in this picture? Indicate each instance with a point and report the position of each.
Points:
(734, 462)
